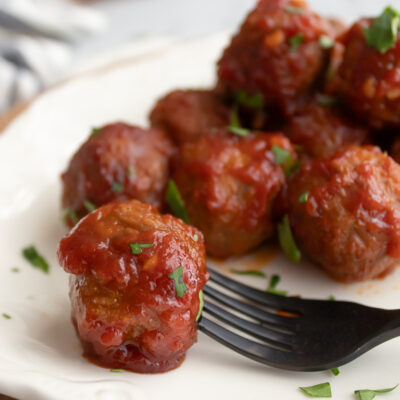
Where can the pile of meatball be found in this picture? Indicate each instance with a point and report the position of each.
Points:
(292, 142)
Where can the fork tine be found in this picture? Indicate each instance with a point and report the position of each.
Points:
(264, 298)
(257, 352)
(274, 320)
(271, 337)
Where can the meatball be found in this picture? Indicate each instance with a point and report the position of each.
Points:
(229, 185)
(135, 285)
(345, 213)
(185, 115)
(117, 162)
(277, 53)
(368, 80)
(322, 130)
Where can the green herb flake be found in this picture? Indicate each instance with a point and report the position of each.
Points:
(196, 237)
(235, 127)
(95, 131)
(248, 272)
(6, 316)
(335, 371)
(332, 298)
(382, 35)
(243, 132)
(326, 100)
(15, 270)
(201, 305)
(303, 197)
(136, 248)
(31, 254)
(368, 394)
(180, 285)
(89, 205)
(294, 10)
(70, 214)
(283, 157)
(131, 172)
(318, 391)
(117, 370)
(117, 187)
(295, 42)
(287, 241)
(175, 202)
(326, 42)
(273, 283)
(250, 101)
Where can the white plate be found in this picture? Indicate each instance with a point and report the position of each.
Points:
(40, 357)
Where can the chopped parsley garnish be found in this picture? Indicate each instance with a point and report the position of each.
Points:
(89, 205)
(284, 158)
(321, 390)
(382, 35)
(95, 131)
(248, 272)
(196, 237)
(326, 100)
(235, 127)
(15, 270)
(295, 42)
(367, 394)
(117, 187)
(294, 10)
(180, 285)
(287, 241)
(332, 298)
(250, 101)
(31, 254)
(117, 370)
(69, 213)
(136, 248)
(201, 305)
(335, 371)
(6, 316)
(175, 202)
(273, 283)
(303, 197)
(326, 42)
(131, 172)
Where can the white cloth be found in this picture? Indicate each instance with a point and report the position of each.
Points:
(37, 39)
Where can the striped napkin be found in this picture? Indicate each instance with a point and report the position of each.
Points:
(37, 41)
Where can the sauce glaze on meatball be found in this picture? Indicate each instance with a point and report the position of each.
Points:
(277, 53)
(322, 130)
(125, 305)
(350, 222)
(117, 162)
(229, 185)
(369, 80)
(185, 115)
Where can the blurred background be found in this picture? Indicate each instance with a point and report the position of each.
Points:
(43, 42)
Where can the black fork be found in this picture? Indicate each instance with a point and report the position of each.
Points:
(290, 333)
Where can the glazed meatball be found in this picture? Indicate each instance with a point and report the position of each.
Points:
(135, 285)
(277, 53)
(185, 115)
(345, 213)
(229, 185)
(322, 130)
(117, 162)
(368, 80)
